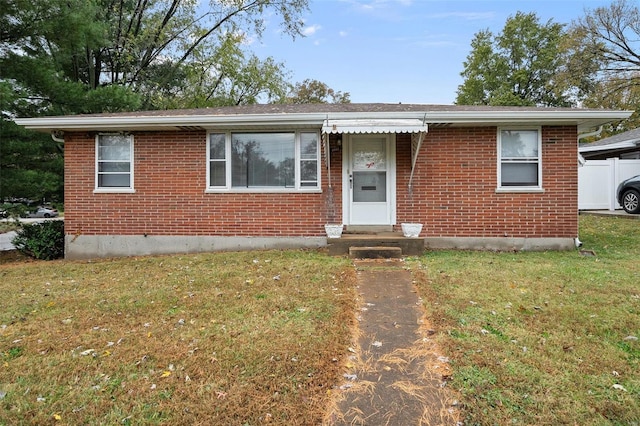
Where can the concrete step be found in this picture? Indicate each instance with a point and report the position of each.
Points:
(375, 252)
(409, 246)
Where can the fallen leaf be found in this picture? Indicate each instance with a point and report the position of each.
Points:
(619, 387)
(57, 417)
(166, 374)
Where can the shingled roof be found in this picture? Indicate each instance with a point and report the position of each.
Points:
(314, 115)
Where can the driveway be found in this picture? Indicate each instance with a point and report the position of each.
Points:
(5, 241)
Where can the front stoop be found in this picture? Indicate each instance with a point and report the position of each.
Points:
(376, 243)
(375, 252)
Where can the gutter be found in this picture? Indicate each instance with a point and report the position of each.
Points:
(581, 118)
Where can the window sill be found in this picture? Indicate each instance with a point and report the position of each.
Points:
(114, 191)
(263, 191)
(520, 190)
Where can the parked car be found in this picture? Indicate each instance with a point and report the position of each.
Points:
(629, 195)
(43, 212)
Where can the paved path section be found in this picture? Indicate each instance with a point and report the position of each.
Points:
(396, 376)
(5, 241)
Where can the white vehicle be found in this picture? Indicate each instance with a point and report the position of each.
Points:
(43, 212)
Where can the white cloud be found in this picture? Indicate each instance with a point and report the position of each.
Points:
(311, 30)
(467, 16)
(343, 33)
(374, 5)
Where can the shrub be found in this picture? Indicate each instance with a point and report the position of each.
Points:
(14, 210)
(43, 241)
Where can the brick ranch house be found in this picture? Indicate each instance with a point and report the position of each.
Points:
(271, 176)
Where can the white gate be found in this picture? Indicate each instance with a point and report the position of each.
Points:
(598, 180)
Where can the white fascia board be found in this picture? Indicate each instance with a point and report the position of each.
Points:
(160, 122)
(617, 145)
(584, 119)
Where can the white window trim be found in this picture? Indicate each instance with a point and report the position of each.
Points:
(522, 189)
(230, 189)
(119, 190)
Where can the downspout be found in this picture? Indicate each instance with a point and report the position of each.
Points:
(588, 135)
(415, 148)
(57, 136)
(581, 159)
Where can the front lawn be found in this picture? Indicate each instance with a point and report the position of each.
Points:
(226, 338)
(260, 337)
(542, 338)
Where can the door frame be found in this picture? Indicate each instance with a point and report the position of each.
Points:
(391, 178)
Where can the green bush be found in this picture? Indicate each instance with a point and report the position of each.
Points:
(15, 210)
(43, 241)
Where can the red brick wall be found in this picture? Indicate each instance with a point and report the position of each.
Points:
(454, 191)
(170, 198)
(454, 186)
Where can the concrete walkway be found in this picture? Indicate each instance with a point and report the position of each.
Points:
(610, 213)
(395, 374)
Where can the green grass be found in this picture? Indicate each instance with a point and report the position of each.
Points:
(227, 338)
(8, 226)
(253, 338)
(542, 338)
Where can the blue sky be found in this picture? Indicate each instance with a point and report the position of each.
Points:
(409, 51)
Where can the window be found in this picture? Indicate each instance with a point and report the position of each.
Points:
(519, 156)
(114, 168)
(265, 161)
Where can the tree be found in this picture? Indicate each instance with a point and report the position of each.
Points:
(31, 163)
(135, 51)
(315, 92)
(604, 60)
(90, 56)
(516, 67)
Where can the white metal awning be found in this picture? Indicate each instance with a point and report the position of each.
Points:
(399, 125)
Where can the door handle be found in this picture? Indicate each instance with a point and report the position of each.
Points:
(350, 181)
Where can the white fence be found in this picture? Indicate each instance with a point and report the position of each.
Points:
(598, 180)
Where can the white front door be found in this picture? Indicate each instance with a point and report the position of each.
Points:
(369, 177)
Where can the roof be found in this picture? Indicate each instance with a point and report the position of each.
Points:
(629, 139)
(266, 116)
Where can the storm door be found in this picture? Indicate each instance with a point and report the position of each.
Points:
(369, 176)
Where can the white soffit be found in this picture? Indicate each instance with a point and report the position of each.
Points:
(399, 125)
